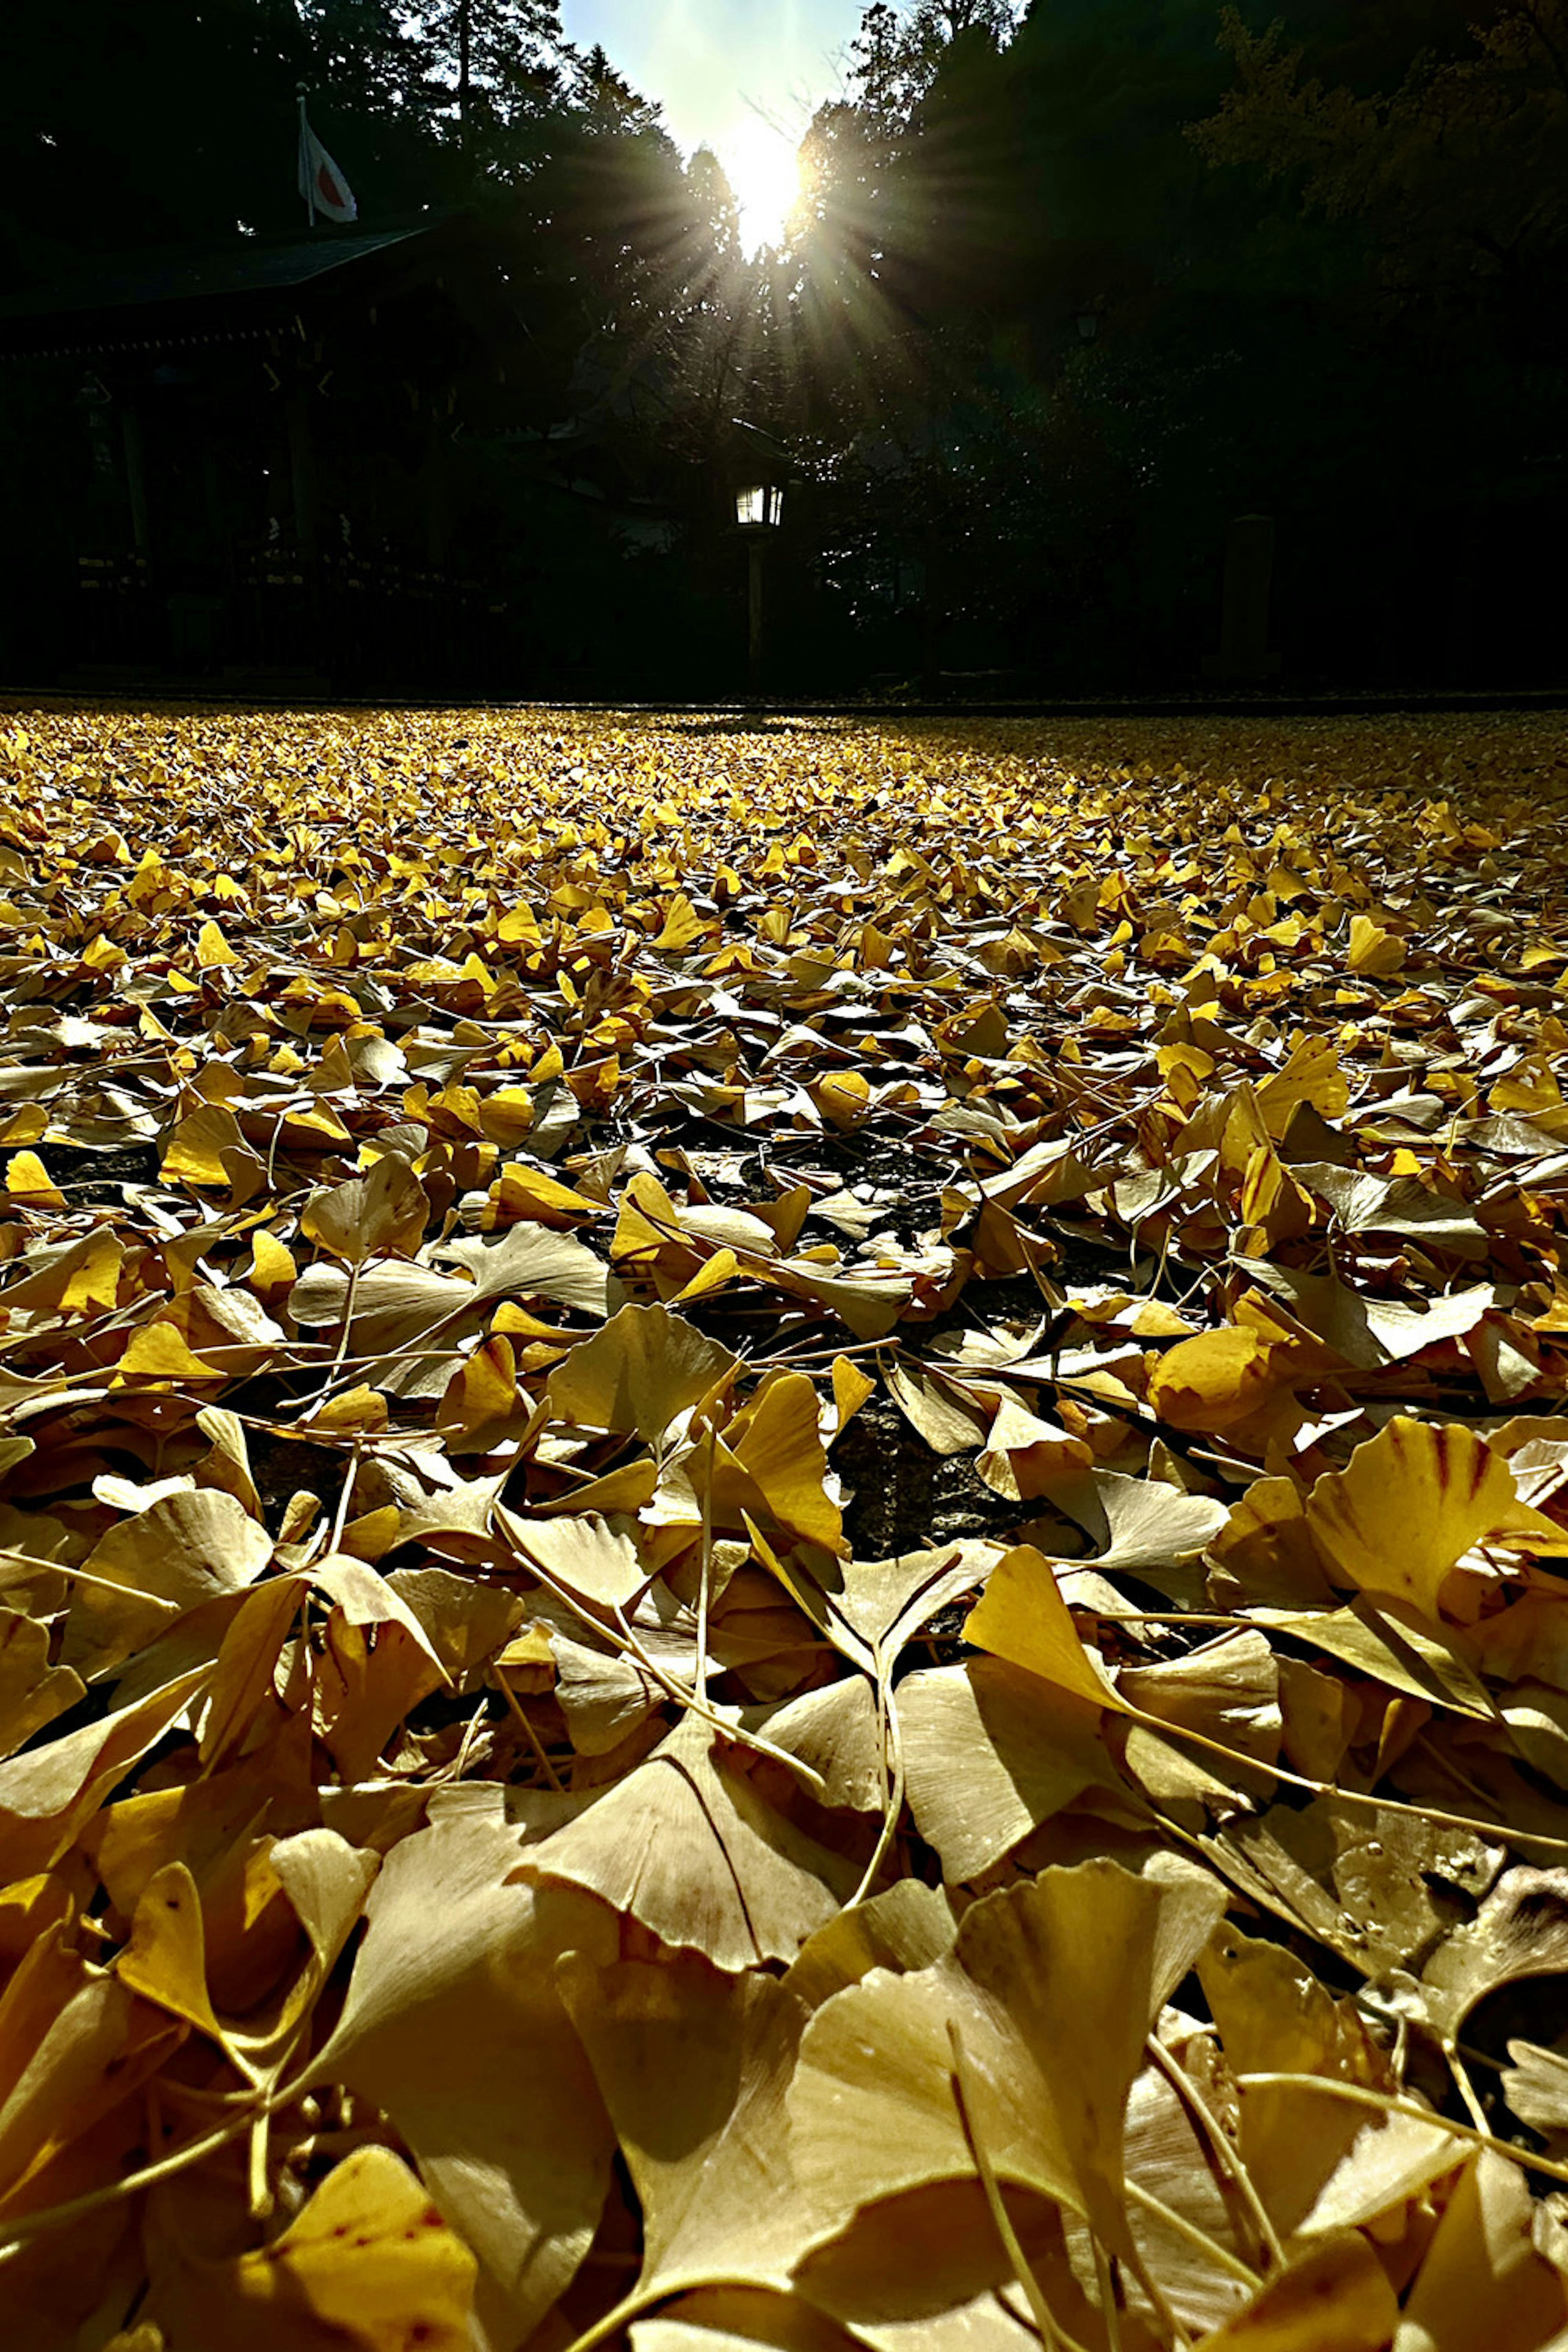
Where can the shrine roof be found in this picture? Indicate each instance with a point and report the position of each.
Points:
(164, 277)
(173, 295)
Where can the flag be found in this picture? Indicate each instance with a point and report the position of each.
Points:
(321, 183)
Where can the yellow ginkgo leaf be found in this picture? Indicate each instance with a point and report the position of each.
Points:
(94, 1284)
(1094, 1948)
(196, 1152)
(778, 1442)
(1411, 1502)
(1372, 948)
(851, 1387)
(212, 949)
(844, 1098)
(385, 1209)
(27, 1124)
(157, 1352)
(481, 1393)
(693, 2070)
(1335, 2293)
(1312, 1074)
(682, 928)
(29, 1181)
(368, 2266)
(362, 1408)
(1218, 1378)
(523, 1192)
(690, 1846)
(637, 1373)
(1022, 1617)
(165, 1959)
(272, 1270)
(506, 1115)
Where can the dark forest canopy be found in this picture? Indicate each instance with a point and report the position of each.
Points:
(1066, 288)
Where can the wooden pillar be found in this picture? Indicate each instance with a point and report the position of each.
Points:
(437, 498)
(303, 471)
(135, 475)
(754, 617)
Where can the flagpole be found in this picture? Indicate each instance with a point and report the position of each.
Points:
(305, 172)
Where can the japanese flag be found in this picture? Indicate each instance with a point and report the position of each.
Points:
(321, 183)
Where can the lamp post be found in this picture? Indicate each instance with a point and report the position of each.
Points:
(758, 510)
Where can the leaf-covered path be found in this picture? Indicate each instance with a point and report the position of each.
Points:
(783, 1534)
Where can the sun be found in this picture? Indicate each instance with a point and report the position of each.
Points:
(762, 167)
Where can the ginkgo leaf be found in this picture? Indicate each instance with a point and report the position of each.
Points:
(523, 1192)
(175, 1556)
(1364, 1203)
(1536, 2086)
(911, 1926)
(452, 2024)
(212, 949)
(1022, 1618)
(27, 1179)
(886, 1602)
(1520, 1930)
(396, 1306)
(1025, 1456)
(638, 1372)
(48, 1793)
(1218, 1378)
(1274, 2018)
(1483, 2282)
(1335, 2293)
(873, 2107)
(991, 1752)
(527, 1263)
(76, 2046)
(689, 1845)
(693, 2067)
(368, 2262)
(481, 1403)
(1227, 1688)
(165, 1959)
(32, 1691)
(1372, 948)
(1411, 1502)
(777, 1441)
(1392, 2163)
(201, 1148)
(598, 1565)
(1146, 1528)
(836, 1732)
(386, 1209)
(366, 1597)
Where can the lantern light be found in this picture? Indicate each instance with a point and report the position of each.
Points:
(758, 506)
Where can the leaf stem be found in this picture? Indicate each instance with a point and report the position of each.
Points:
(1386, 2103)
(1051, 2335)
(527, 1730)
(1110, 2305)
(1225, 2155)
(1370, 1802)
(621, 1637)
(705, 1570)
(1210, 2248)
(893, 1755)
(16, 2234)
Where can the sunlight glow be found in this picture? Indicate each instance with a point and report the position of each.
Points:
(760, 166)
